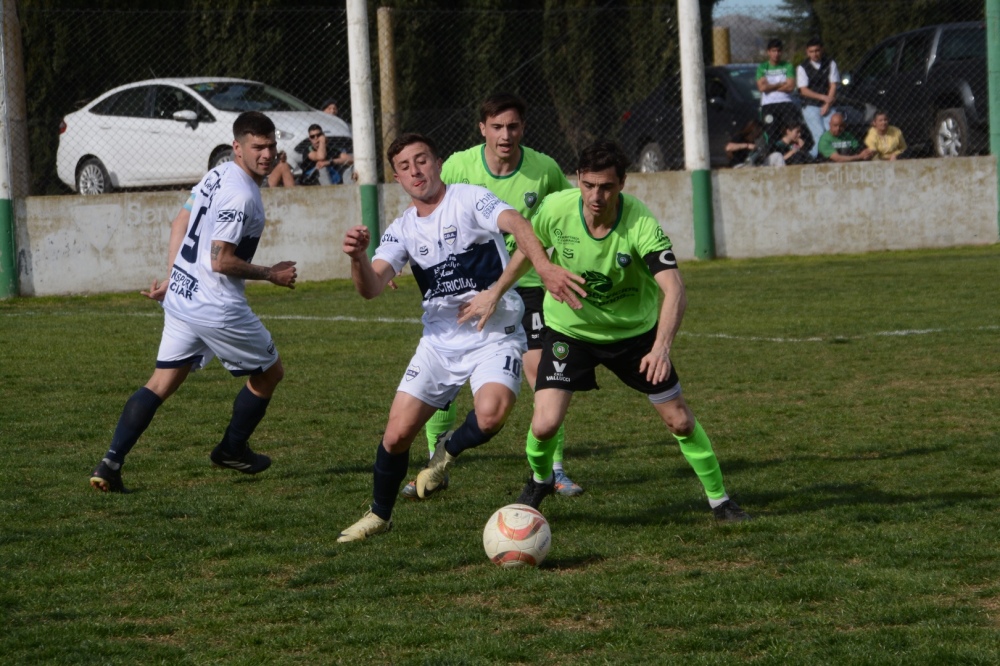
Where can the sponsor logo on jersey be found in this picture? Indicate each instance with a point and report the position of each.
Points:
(597, 281)
(530, 199)
(509, 329)
(388, 238)
(424, 250)
(412, 372)
(560, 368)
(568, 253)
(183, 283)
(565, 239)
(560, 350)
(450, 234)
(487, 204)
(231, 215)
(624, 259)
(270, 348)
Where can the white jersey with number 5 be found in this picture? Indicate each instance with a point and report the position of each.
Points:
(227, 207)
(455, 252)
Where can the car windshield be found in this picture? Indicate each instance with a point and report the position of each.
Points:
(242, 96)
(743, 79)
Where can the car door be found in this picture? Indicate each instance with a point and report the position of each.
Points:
(870, 80)
(906, 96)
(187, 145)
(121, 135)
(721, 118)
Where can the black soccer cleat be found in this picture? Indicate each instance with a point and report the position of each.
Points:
(730, 512)
(534, 492)
(107, 480)
(247, 462)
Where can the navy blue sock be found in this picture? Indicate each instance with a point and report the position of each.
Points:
(389, 472)
(248, 410)
(468, 435)
(136, 417)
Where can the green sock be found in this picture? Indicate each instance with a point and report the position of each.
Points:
(540, 454)
(697, 449)
(560, 440)
(442, 421)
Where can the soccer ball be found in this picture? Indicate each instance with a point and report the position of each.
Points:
(517, 536)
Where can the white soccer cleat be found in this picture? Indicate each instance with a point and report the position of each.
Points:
(369, 525)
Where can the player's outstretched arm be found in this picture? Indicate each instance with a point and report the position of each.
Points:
(564, 285)
(656, 364)
(484, 304)
(225, 261)
(370, 279)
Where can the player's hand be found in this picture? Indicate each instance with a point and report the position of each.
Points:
(656, 365)
(482, 305)
(356, 241)
(564, 285)
(393, 285)
(158, 291)
(283, 274)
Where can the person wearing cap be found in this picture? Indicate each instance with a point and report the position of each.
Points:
(345, 159)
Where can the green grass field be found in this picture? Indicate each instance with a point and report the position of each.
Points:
(853, 402)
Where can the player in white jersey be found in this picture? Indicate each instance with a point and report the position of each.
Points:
(452, 239)
(205, 310)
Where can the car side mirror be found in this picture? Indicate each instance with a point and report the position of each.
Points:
(186, 116)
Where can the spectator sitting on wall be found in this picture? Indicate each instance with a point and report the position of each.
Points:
(884, 140)
(746, 147)
(839, 145)
(317, 168)
(817, 78)
(345, 160)
(790, 148)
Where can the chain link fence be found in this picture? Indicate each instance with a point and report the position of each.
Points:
(585, 73)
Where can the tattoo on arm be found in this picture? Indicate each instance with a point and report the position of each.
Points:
(233, 266)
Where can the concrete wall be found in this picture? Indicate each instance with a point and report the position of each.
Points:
(118, 242)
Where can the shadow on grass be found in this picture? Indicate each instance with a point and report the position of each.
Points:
(572, 563)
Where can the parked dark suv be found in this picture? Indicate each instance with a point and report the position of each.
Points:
(652, 133)
(932, 82)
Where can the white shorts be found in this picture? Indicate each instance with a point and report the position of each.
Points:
(435, 377)
(243, 349)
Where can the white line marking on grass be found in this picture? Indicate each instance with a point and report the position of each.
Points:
(413, 320)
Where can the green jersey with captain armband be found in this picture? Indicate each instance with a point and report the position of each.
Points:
(623, 297)
(537, 175)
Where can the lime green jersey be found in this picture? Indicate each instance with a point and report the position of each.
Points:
(537, 175)
(623, 297)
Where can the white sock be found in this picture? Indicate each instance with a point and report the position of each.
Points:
(718, 502)
(546, 481)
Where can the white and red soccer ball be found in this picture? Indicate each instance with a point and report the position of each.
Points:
(517, 536)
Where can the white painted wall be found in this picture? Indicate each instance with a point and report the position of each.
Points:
(118, 242)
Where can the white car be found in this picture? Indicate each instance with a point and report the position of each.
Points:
(171, 131)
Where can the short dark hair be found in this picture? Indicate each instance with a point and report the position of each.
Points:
(328, 102)
(815, 41)
(314, 126)
(497, 103)
(252, 122)
(775, 43)
(404, 140)
(602, 155)
(880, 112)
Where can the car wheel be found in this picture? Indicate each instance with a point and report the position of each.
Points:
(951, 133)
(220, 156)
(92, 178)
(651, 158)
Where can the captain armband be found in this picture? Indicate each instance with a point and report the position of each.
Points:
(660, 261)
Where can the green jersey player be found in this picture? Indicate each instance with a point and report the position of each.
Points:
(521, 177)
(630, 316)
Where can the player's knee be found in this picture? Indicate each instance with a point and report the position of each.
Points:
(681, 422)
(544, 429)
(490, 421)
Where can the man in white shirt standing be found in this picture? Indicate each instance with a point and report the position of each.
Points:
(452, 238)
(817, 79)
(206, 312)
